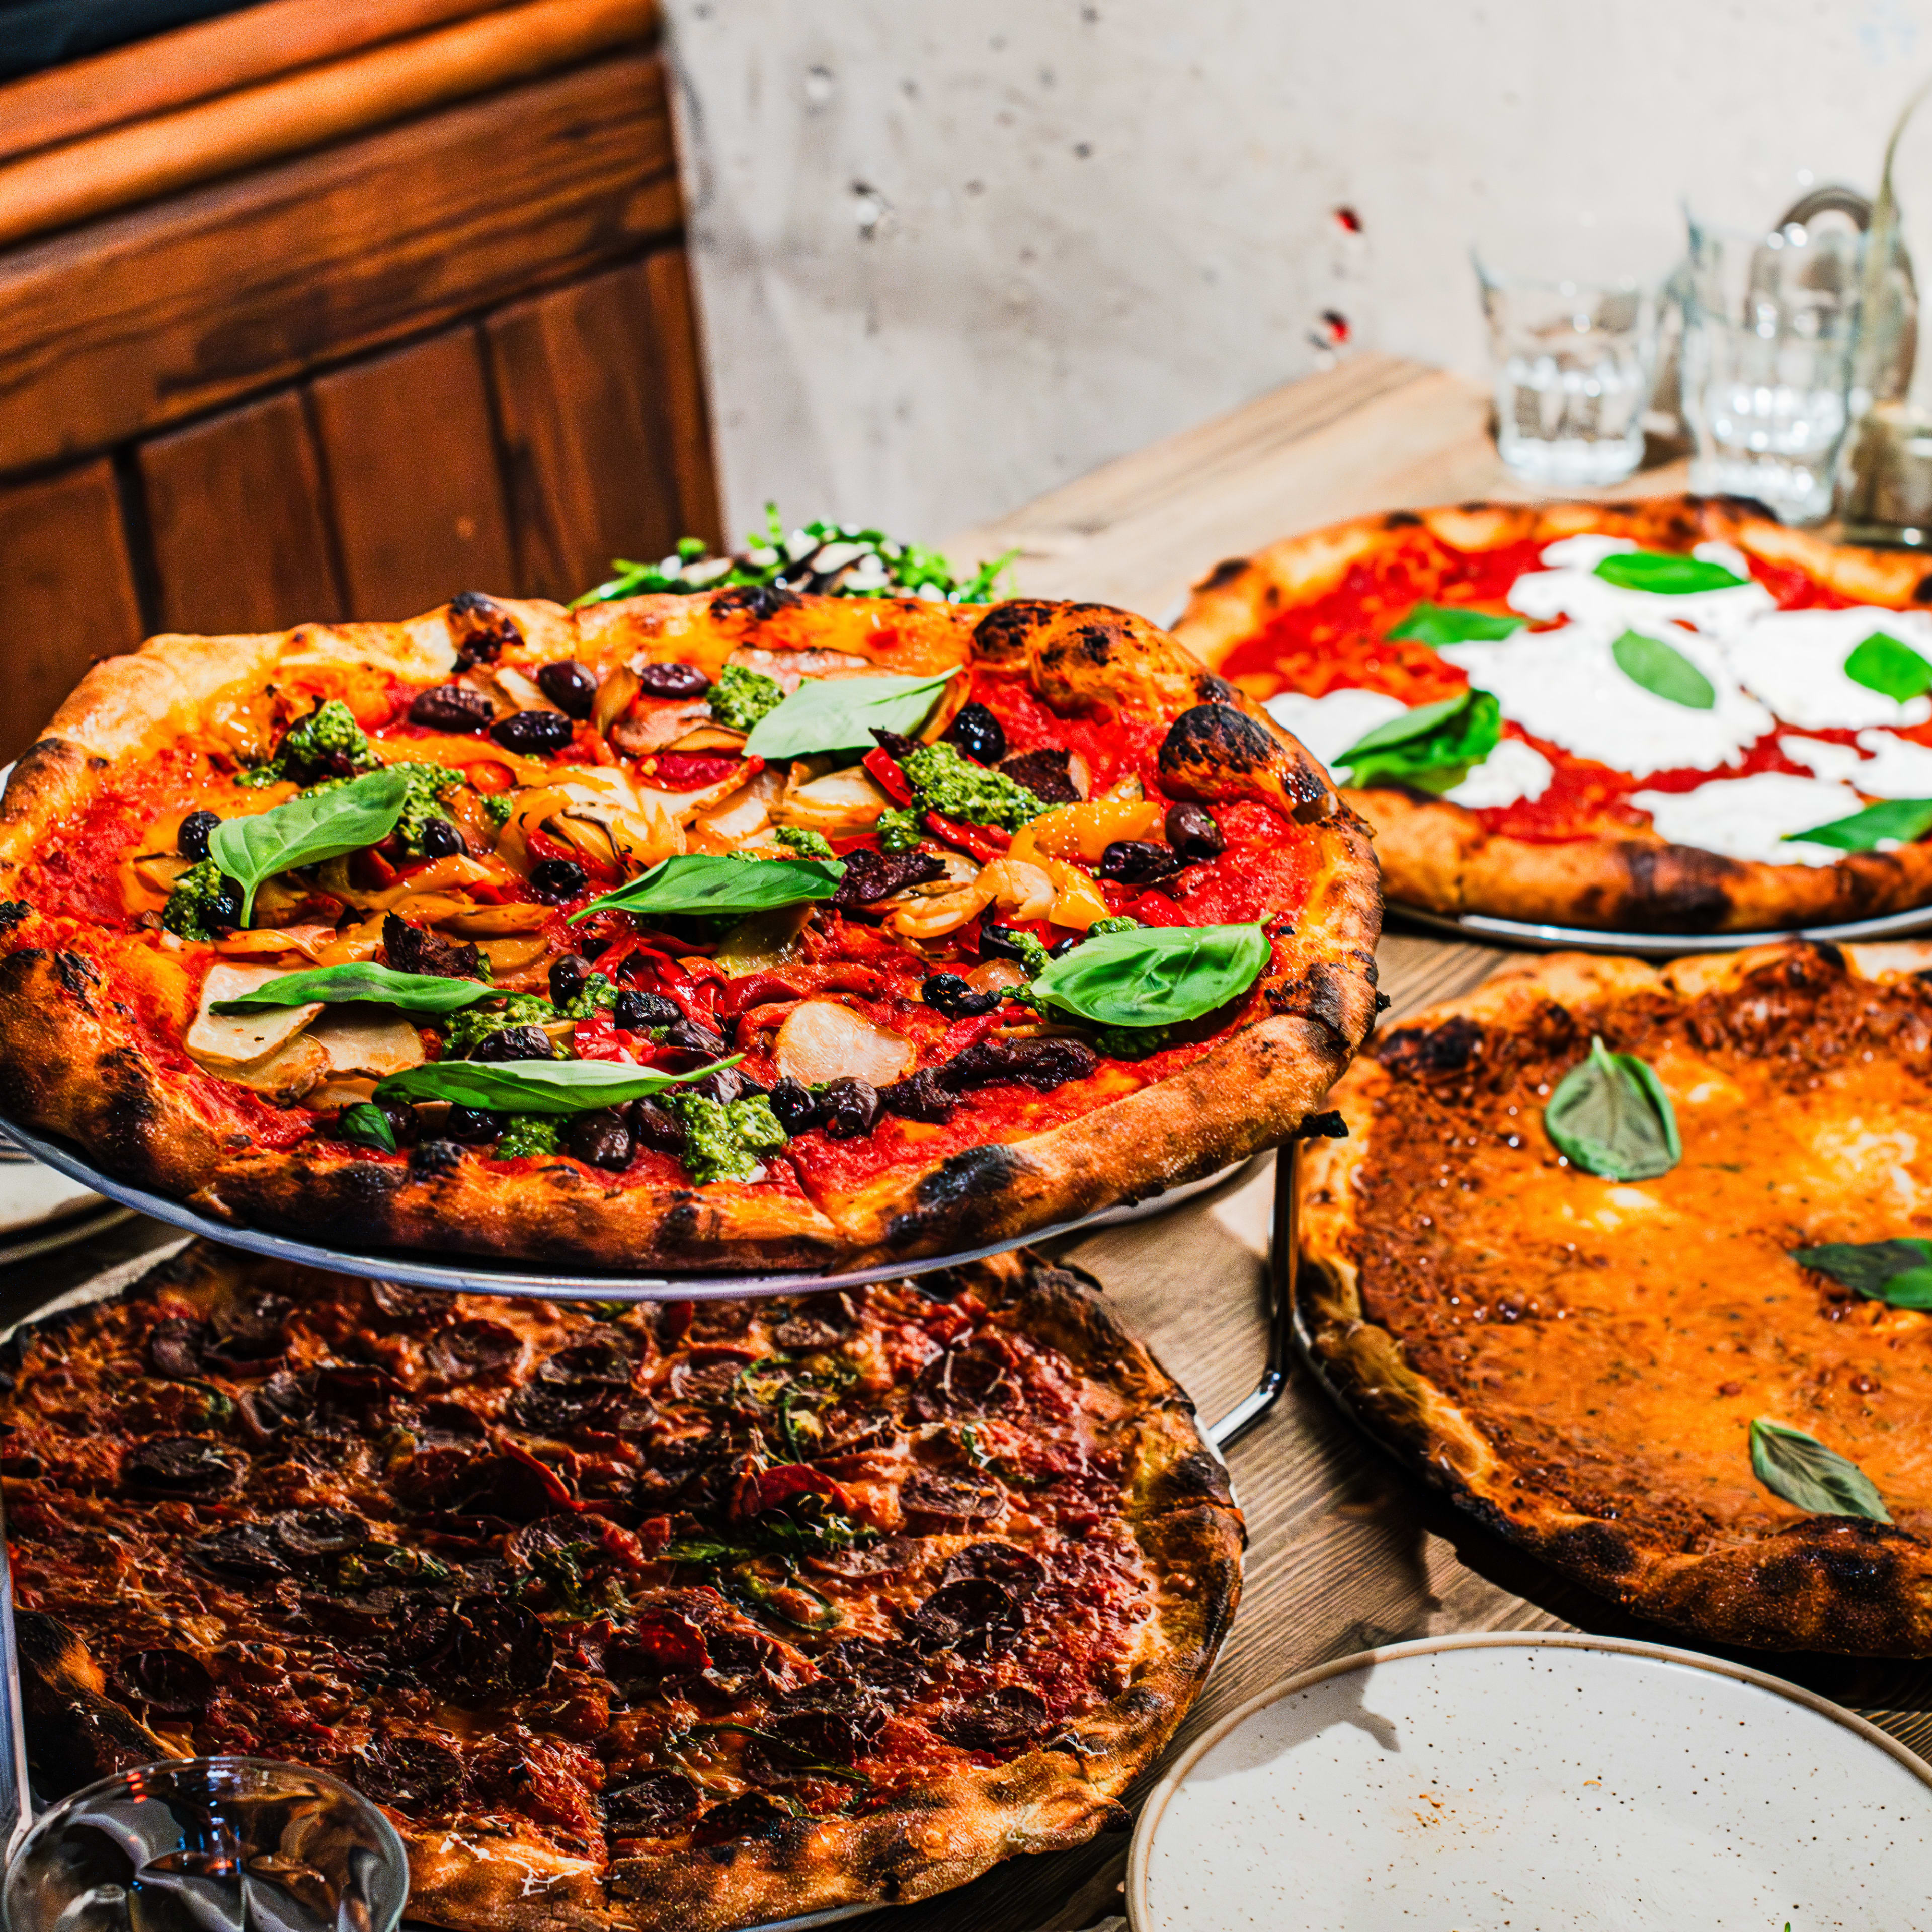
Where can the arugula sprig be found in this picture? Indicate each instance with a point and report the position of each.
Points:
(834, 558)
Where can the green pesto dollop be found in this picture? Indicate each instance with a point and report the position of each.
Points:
(741, 697)
(596, 995)
(203, 903)
(899, 829)
(318, 742)
(427, 787)
(723, 1138)
(955, 788)
(464, 1032)
(528, 1136)
(805, 842)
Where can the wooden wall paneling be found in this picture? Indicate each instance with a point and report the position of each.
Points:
(70, 595)
(147, 318)
(578, 389)
(684, 395)
(413, 478)
(238, 522)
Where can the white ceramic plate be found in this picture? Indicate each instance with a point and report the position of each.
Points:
(1537, 1783)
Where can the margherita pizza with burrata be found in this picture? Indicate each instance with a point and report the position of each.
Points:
(1673, 716)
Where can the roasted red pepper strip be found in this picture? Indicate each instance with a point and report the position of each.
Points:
(885, 768)
(963, 1033)
(985, 843)
(754, 989)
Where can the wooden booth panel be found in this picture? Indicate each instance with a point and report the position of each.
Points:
(579, 384)
(681, 390)
(145, 319)
(413, 479)
(236, 508)
(70, 593)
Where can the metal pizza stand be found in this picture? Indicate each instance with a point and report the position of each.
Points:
(1347, 1551)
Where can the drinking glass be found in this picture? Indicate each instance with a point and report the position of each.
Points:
(1573, 348)
(222, 1844)
(1770, 323)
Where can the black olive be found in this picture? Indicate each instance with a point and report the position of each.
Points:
(567, 977)
(726, 1084)
(637, 1013)
(1137, 862)
(403, 1122)
(948, 993)
(795, 1105)
(851, 1106)
(225, 908)
(441, 840)
(532, 732)
(655, 1126)
(979, 734)
(600, 1138)
(693, 1043)
(1193, 834)
(672, 680)
(919, 1096)
(1060, 948)
(516, 1042)
(1043, 1064)
(476, 1126)
(436, 1156)
(568, 686)
(191, 842)
(556, 880)
(996, 942)
(451, 707)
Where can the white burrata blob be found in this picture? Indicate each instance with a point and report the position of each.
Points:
(1565, 686)
(1748, 818)
(1513, 772)
(1884, 766)
(1574, 590)
(1329, 726)
(1794, 661)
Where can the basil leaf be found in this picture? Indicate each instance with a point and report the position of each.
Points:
(362, 981)
(1611, 1116)
(1665, 576)
(1904, 820)
(1433, 747)
(367, 1127)
(840, 714)
(698, 882)
(306, 830)
(1663, 670)
(1445, 624)
(1879, 1270)
(535, 1086)
(1156, 976)
(1809, 1477)
(1893, 670)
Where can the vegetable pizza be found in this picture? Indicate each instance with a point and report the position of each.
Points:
(744, 929)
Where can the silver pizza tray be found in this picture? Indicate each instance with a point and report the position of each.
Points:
(1651, 945)
(466, 1274)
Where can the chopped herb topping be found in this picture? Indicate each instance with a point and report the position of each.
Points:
(327, 742)
(527, 1136)
(805, 842)
(740, 697)
(955, 787)
(723, 1139)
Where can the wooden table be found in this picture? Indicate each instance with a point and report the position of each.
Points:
(1347, 1550)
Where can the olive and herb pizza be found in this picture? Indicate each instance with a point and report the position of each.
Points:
(1668, 716)
(1637, 1265)
(742, 929)
(675, 1618)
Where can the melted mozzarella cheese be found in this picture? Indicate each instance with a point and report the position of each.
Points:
(1747, 818)
(1794, 661)
(1565, 686)
(1574, 590)
(1513, 772)
(1891, 767)
(1329, 726)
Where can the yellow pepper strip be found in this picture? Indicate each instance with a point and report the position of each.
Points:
(1077, 900)
(1084, 831)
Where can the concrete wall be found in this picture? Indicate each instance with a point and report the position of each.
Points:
(953, 252)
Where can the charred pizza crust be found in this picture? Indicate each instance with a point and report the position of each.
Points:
(1172, 1502)
(71, 1065)
(1439, 856)
(1608, 1433)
